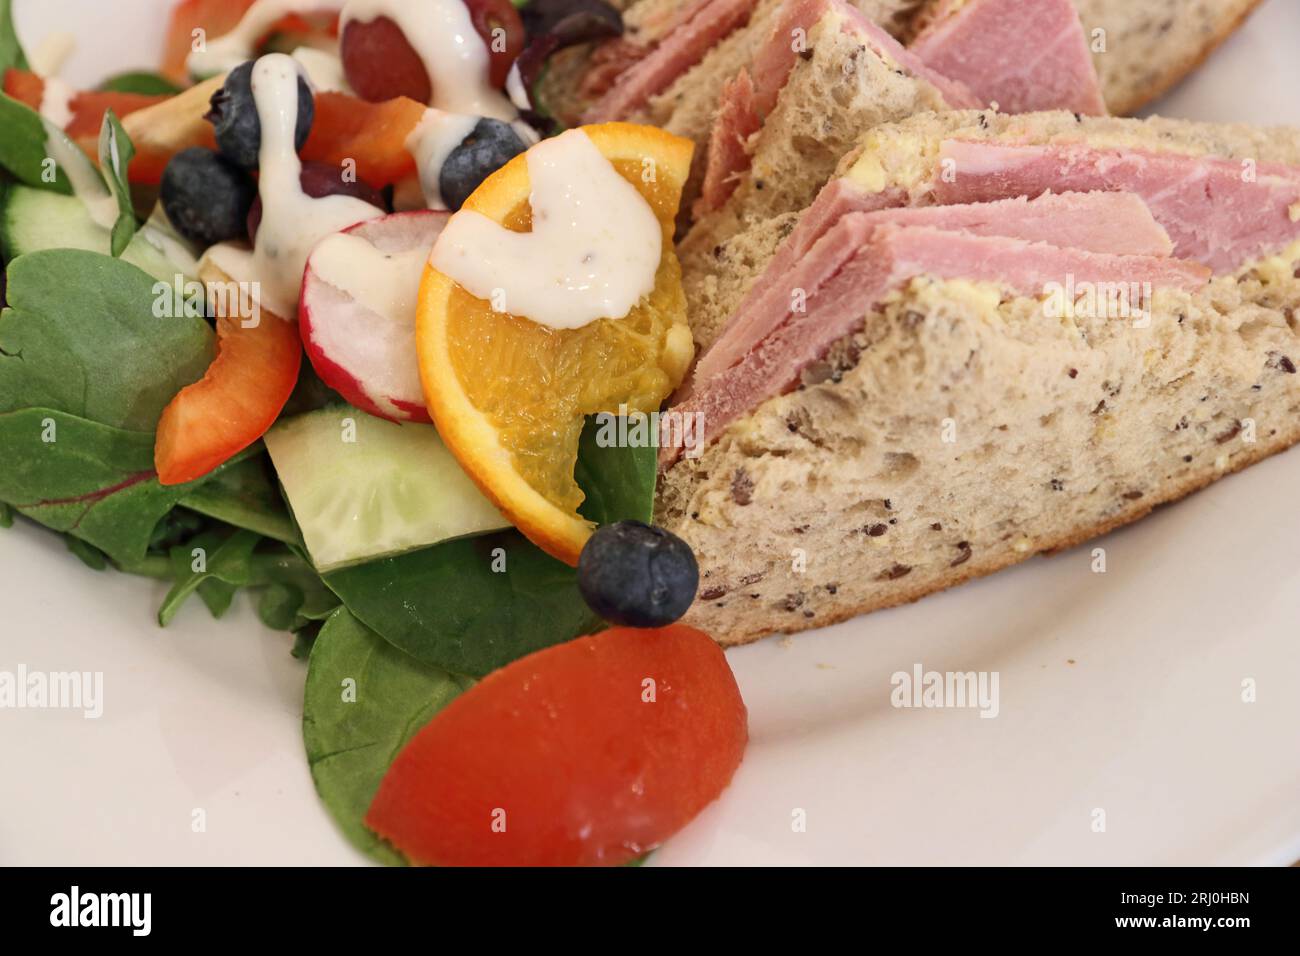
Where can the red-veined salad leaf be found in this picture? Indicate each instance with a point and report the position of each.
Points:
(85, 370)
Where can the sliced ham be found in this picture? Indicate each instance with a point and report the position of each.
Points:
(890, 257)
(678, 51)
(1022, 56)
(727, 153)
(1221, 212)
(843, 219)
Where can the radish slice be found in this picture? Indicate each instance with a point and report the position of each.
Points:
(358, 312)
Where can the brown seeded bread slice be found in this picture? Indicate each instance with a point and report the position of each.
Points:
(1141, 48)
(719, 266)
(829, 99)
(958, 433)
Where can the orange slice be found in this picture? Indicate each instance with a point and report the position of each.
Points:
(509, 395)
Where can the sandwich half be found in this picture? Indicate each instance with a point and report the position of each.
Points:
(989, 336)
(1140, 49)
(777, 138)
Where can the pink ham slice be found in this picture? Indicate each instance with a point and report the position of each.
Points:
(678, 51)
(1222, 212)
(842, 218)
(748, 99)
(1022, 56)
(892, 256)
(727, 154)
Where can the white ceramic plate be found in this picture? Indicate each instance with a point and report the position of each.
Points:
(1119, 691)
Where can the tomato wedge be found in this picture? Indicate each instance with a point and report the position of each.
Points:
(587, 753)
(233, 405)
(372, 134)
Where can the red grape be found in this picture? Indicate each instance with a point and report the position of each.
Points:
(381, 63)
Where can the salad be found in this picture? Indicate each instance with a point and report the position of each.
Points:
(327, 309)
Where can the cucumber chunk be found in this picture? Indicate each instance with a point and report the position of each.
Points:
(33, 219)
(363, 488)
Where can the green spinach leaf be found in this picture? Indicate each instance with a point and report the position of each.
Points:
(22, 146)
(475, 604)
(141, 82)
(11, 51)
(246, 496)
(80, 336)
(209, 558)
(364, 700)
(289, 606)
(115, 153)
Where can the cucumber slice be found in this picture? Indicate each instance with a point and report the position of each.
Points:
(363, 488)
(34, 219)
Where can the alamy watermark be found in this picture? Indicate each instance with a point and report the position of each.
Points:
(184, 298)
(22, 689)
(1098, 300)
(670, 429)
(975, 690)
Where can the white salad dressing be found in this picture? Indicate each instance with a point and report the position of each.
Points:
(46, 61)
(52, 53)
(386, 283)
(431, 143)
(87, 184)
(516, 90)
(56, 101)
(454, 55)
(226, 52)
(593, 251)
(292, 222)
(324, 70)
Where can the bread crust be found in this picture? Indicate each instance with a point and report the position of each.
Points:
(1176, 71)
(972, 570)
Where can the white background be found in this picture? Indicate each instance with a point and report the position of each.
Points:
(1118, 691)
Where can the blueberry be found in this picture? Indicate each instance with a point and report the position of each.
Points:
(637, 576)
(488, 147)
(235, 121)
(206, 196)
